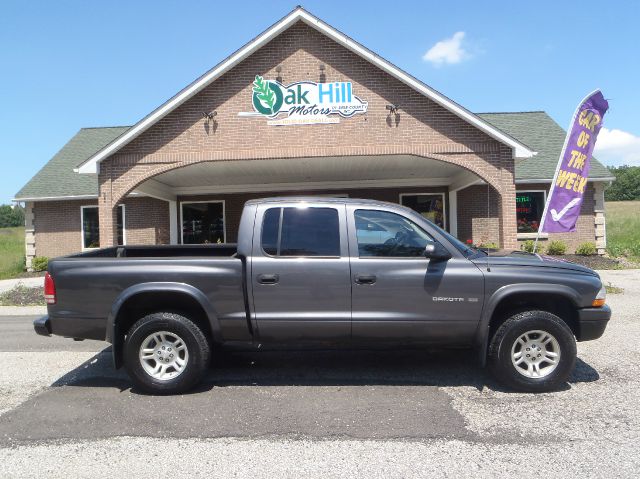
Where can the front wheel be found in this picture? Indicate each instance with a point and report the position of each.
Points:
(165, 353)
(533, 351)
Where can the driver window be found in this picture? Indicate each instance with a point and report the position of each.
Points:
(385, 234)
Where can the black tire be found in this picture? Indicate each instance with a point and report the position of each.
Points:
(500, 351)
(197, 347)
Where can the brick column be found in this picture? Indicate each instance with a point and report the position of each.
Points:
(599, 217)
(29, 235)
(508, 223)
(107, 211)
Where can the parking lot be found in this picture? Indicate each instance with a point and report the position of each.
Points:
(66, 412)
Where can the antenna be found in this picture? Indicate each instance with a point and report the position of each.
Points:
(488, 223)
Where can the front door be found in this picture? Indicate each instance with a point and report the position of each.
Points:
(300, 274)
(401, 296)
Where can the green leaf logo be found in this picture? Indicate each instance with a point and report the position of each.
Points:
(264, 92)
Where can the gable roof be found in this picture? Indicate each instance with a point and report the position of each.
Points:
(57, 178)
(542, 133)
(299, 14)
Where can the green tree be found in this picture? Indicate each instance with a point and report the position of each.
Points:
(627, 184)
(11, 216)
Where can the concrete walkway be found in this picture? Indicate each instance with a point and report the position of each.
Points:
(7, 284)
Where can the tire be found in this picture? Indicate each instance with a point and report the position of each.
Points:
(175, 358)
(522, 342)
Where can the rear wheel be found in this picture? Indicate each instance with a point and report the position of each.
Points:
(533, 351)
(166, 353)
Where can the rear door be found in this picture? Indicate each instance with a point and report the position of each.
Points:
(300, 274)
(399, 295)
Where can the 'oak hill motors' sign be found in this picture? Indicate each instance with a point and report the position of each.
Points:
(304, 102)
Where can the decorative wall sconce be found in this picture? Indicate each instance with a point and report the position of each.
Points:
(323, 77)
(209, 121)
(279, 72)
(394, 111)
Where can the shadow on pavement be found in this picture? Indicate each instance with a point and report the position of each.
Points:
(322, 368)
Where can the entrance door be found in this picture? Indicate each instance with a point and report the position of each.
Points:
(401, 296)
(300, 274)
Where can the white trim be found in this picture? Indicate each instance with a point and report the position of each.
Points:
(299, 14)
(550, 180)
(532, 235)
(124, 225)
(71, 197)
(173, 222)
(444, 203)
(453, 213)
(317, 185)
(224, 217)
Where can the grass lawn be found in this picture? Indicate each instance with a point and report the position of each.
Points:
(11, 252)
(623, 229)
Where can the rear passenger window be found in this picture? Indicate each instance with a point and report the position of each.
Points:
(301, 232)
(270, 230)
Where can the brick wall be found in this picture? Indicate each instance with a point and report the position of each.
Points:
(423, 127)
(58, 229)
(478, 219)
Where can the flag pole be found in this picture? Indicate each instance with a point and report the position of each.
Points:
(555, 175)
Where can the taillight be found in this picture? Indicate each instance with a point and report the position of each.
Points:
(49, 289)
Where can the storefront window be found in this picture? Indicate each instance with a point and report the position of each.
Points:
(529, 208)
(203, 223)
(430, 206)
(91, 226)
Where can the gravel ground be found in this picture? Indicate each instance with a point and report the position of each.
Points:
(590, 429)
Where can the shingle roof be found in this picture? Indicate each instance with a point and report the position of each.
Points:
(541, 133)
(57, 177)
(535, 129)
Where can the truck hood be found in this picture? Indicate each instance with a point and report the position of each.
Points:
(520, 258)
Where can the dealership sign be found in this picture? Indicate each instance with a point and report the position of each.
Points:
(304, 102)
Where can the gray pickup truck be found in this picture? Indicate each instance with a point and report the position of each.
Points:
(325, 273)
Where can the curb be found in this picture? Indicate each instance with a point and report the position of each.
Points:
(23, 310)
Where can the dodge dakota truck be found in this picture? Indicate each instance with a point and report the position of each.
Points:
(325, 273)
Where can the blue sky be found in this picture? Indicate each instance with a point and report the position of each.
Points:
(71, 64)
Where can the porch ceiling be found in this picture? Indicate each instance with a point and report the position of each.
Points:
(225, 175)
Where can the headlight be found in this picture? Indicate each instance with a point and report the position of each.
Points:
(601, 297)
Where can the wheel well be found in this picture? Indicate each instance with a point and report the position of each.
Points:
(143, 304)
(556, 304)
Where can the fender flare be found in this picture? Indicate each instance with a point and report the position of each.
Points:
(482, 333)
(114, 337)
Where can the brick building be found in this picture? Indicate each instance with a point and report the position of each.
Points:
(301, 109)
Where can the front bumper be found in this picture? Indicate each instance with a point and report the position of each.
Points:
(592, 322)
(42, 326)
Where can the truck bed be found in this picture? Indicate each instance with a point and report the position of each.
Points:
(162, 251)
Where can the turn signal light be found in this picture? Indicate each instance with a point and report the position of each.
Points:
(601, 297)
(49, 289)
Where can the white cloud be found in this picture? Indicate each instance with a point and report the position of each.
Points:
(448, 51)
(617, 147)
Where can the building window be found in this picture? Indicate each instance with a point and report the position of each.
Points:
(203, 222)
(91, 226)
(301, 232)
(429, 205)
(529, 208)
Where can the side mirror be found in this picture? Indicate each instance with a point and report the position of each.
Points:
(436, 251)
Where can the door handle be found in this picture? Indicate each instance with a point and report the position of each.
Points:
(365, 278)
(268, 278)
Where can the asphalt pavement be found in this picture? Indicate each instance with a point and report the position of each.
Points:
(66, 412)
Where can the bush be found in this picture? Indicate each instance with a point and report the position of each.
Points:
(492, 246)
(40, 263)
(557, 247)
(530, 244)
(586, 249)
